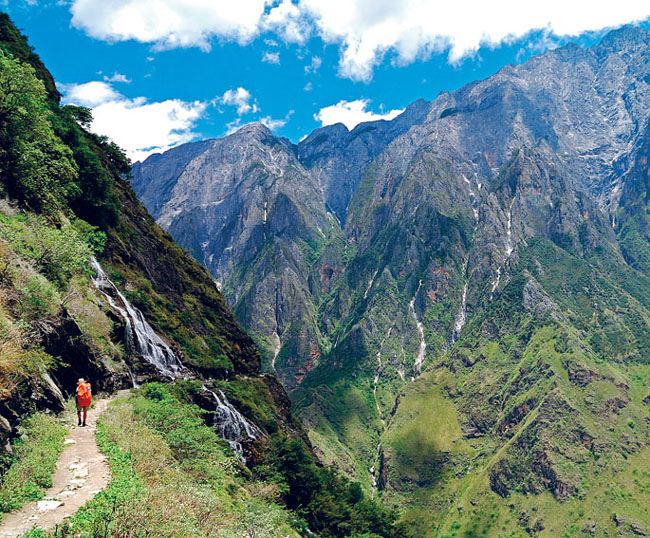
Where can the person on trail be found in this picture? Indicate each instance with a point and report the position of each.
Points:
(83, 397)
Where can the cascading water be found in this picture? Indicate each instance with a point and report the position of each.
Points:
(419, 359)
(372, 280)
(276, 351)
(461, 317)
(509, 245)
(231, 424)
(509, 248)
(472, 197)
(139, 335)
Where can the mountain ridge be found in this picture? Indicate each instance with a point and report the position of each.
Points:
(442, 295)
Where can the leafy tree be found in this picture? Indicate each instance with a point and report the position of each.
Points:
(35, 166)
(93, 200)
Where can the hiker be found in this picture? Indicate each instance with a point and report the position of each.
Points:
(83, 397)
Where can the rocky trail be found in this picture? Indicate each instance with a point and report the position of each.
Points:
(81, 472)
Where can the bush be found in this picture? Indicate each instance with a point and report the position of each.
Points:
(35, 455)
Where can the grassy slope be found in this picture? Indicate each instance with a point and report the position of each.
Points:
(554, 423)
(173, 476)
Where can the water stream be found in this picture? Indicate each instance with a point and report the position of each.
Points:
(508, 251)
(231, 425)
(419, 359)
(276, 350)
(372, 280)
(139, 335)
(461, 317)
(472, 197)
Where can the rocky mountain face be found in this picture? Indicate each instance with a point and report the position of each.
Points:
(458, 299)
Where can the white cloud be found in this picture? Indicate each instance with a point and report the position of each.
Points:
(308, 87)
(117, 77)
(241, 98)
(365, 30)
(89, 94)
(169, 23)
(288, 21)
(314, 66)
(271, 123)
(139, 127)
(351, 113)
(271, 58)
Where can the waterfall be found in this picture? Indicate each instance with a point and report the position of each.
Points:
(375, 468)
(139, 335)
(472, 197)
(276, 351)
(461, 317)
(419, 359)
(231, 424)
(509, 249)
(372, 280)
(509, 246)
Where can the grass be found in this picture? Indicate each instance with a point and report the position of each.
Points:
(172, 476)
(35, 454)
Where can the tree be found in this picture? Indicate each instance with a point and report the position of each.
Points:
(35, 166)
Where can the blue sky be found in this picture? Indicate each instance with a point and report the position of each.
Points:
(162, 72)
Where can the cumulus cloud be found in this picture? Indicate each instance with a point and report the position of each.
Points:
(271, 58)
(365, 30)
(351, 113)
(241, 98)
(89, 94)
(139, 127)
(117, 77)
(169, 23)
(288, 21)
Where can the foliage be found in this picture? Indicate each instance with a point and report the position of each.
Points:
(94, 199)
(35, 166)
(332, 505)
(33, 462)
(56, 253)
(161, 486)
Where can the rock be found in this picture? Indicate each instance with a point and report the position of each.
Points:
(536, 301)
(626, 527)
(589, 528)
(48, 505)
(80, 473)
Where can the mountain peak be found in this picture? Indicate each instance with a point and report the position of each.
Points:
(624, 37)
(254, 129)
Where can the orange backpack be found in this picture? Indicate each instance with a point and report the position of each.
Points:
(84, 396)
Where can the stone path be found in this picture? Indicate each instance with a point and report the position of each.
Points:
(81, 472)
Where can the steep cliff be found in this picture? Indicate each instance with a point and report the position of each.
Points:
(472, 321)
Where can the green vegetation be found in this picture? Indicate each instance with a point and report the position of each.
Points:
(43, 274)
(37, 168)
(33, 461)
(173, 476)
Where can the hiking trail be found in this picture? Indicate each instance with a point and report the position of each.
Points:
(81, 472)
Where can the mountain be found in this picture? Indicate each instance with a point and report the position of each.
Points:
(458, 299)
(91, 286)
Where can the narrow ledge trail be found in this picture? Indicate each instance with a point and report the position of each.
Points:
(81, 472)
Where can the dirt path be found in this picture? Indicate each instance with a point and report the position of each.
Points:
(81, 472)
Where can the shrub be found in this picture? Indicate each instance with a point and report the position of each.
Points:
(35, 455)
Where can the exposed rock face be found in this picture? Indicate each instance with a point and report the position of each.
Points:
(506, 221)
